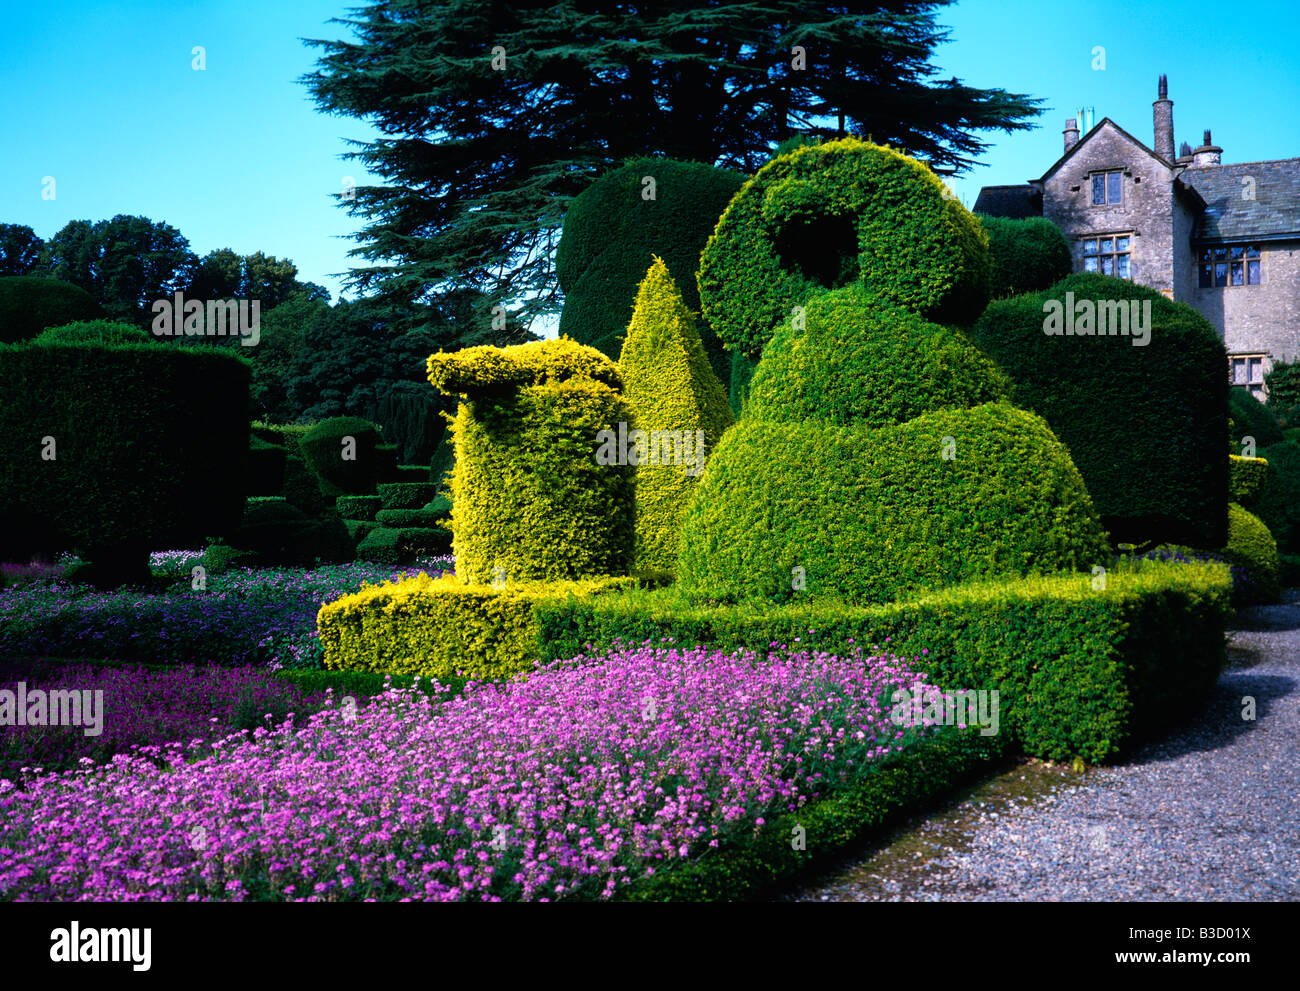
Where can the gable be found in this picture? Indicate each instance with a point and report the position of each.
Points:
(1114, 131)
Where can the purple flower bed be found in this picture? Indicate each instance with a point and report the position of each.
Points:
(593, 773)
(141, 707)
(245, 616)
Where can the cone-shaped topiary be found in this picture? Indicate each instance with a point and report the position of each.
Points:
(828, 215)
(850, 358)
(530, 500)
(673, 395)
(612, 229)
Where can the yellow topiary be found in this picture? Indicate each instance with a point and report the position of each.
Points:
(440, 627)
(674, 396)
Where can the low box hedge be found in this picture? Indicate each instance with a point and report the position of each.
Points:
(1246, 479)
(441, 627)
(398, 518)
(1080, 671)
(407, 494)
(388, 545)
(358, 507)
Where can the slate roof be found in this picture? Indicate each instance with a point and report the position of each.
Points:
(1014, 202)
(1273, 213)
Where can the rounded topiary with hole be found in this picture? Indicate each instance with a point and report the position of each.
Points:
(834, 214)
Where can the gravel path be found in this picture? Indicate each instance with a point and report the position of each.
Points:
(1211, 813)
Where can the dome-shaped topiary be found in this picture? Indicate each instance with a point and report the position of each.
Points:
(94, 332)
(341, 451)
(29, 304)
(850, 358)
(828, 215)
(674, 396)
(814, 509)
(1027, 255)
(1252, 549)
(614, 226)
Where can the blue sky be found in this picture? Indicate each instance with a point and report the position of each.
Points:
(104, 99)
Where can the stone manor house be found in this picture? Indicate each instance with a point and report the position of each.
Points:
(1223, 238)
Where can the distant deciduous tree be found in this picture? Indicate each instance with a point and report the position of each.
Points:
(20, 250)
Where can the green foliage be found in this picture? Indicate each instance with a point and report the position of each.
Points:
(358, 507)
(359, 530)
(390, 545)
(742, 373)
(1246, 479)
(153, 466)
(668, 386)
(529, 496)
(126, 263)
(1028, 255)
(1080, 671)
(1283, 385)
(1252, 548)
(220, 558)
(611, 232)
(94, 332)
(223, 274)
(302, 487)
(20, 250)
(282, 341)
(399, 518)
(473, 192)
(1251, 418)
(829, 215)
(265, 468)
(442, 626)
(859, 361)
(871, 514)
(1145, 425)
(410, 416)
(28, 305)
(341, 451)
(279, 533)
(1278, 505)
(406, 495)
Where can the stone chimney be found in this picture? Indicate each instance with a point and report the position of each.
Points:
(1071, 133)
(1163, 113)
(1208, 154)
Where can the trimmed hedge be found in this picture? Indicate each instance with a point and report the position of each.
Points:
(302, 487)
(743, 868)
(265, 468)
(824, 216)
(28, 305)
(1251, 418)
(280, 533)
(324, 447)
(1246, 478)
(411, 473)
(358, 530)
(94, 332)
(441, 627)
(388, 545)
(669, 387)
(871, 514)
(1146, 426)
(358, 507)
(529, 496)
(1278, 504)
(611, 231)
(1027, 255)
(1079, 670)
(159, 464)
(399, 518)
(1252, 548)
(855, 360)
(407, 495)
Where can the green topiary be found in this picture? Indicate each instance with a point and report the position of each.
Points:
(94, 332)
(529, 497)
(341, 451)
(1146, 425)
(672, 393)
(361, 507)
(1246, 479)
(840, 212)
(1251, 418)
(611, 231)
(1028, 255)
(853, 360)
(112, 472)
(406, 495)
(399, 518)
(265, 468)
(220, 558)
(29, 304)
(1278, 504)
(302, 488)
(1252, 548)
(389, 545)
(812, 509)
